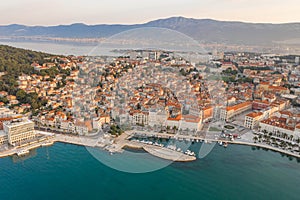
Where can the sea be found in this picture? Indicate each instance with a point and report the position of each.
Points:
(65, 171)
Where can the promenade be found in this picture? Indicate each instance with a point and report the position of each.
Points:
(119, 143)
(243, 141)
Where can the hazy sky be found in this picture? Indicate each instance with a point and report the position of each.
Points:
(53, 12)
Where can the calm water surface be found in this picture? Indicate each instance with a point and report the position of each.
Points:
(70, 172)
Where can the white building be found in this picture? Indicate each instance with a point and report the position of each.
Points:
(190, 122)
(67, 126)
(81, 128)
(252, 119)
(3, 137)
(139, 117)
(19, 130)
(275, 126)
(157, 117)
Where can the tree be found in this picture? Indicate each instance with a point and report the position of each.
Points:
(174, 129)
(21, 95)
(168, 128)
(255, 138)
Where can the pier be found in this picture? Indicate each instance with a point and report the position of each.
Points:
(161, 152)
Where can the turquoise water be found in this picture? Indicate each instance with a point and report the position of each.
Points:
(70, 172)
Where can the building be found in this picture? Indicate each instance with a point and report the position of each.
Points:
(277, 126)
(273, 88)
(19, 131)
(208, 113)
(158, 117)
(231, 111)
(259, 105)
(190, 122)
(3, 137)
(81, 128)
(67, 126)
(139, 117)
(174, 121)
(252, 119)
(100, 121)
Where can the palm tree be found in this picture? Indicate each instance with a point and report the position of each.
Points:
(255, 138)
(174, 129)
(168, 128)
(270, 133)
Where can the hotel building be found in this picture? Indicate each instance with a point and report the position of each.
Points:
(19, 131)
(3, 137)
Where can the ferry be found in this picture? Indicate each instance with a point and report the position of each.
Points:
(22, 152)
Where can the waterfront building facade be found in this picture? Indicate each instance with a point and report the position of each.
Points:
(3, 138)
(19, 131)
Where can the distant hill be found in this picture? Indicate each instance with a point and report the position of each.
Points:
(205, 30)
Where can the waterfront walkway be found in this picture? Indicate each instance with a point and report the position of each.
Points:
(243, 141)
(123, 141)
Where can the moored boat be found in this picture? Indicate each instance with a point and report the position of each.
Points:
(22, 152)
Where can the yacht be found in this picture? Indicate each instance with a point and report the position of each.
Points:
(190, 153)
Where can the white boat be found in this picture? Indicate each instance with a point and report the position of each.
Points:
(220, 143)
(22, 152)
(190, 153)
(172, 147)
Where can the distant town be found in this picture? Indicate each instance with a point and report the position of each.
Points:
(225, 97)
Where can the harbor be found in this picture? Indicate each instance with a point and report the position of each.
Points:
(118, 144)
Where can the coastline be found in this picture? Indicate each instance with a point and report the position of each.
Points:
(119, 146)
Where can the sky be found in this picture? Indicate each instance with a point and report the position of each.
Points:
(55, 12)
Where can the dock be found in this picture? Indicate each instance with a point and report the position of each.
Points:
(161, 152)
(168, 154)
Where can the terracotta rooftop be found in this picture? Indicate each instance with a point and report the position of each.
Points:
(238, 106)
(254, 114)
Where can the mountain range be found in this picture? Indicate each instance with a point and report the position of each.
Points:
(204, 30)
